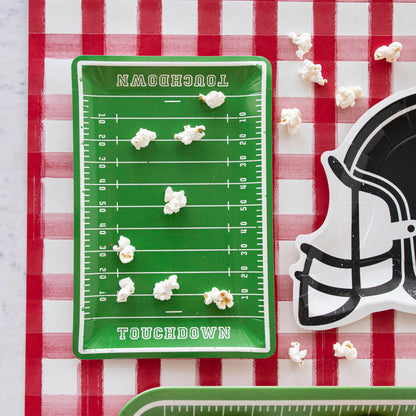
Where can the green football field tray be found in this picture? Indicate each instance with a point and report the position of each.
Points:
(223, 238)
(274, 401)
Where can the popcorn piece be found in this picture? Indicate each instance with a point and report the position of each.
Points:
(124, 249)
(190, 134)
(142, 138)
(213, 99)
(390, 53)
(127, 289)
(346, 350)
(290, 117)
(163, 289)
(346, 96)
(174, 201)
(312, 72)
(221, 298)
(297, 355)
(303, 42)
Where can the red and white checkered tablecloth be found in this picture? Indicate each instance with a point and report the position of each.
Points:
(344, 36)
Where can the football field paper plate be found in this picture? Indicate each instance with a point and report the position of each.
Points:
(222, 238)
(273, 401)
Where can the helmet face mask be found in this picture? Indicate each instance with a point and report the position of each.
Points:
(362, 259)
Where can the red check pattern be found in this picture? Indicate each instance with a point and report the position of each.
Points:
(59, 384)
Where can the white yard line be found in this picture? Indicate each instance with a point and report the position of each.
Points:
(118, 206)
(173, 295)
(174, 140)
(117, 184)
(180, 317)
(167, 228)
(179, 250)
(149, 162)
(204, 117)
(164, 96)
(228, 272)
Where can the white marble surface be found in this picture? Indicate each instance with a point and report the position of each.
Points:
(13, 155)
